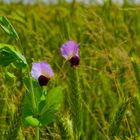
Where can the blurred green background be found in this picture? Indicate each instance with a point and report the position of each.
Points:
(109, 69)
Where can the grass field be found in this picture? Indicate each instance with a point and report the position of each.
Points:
(108, 73)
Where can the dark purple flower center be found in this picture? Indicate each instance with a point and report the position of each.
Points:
(74, 61)
(43, 81)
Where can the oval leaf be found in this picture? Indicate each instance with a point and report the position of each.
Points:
(30, 120)
(53, 101)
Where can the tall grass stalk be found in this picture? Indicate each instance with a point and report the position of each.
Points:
(75, 102)
(119, 115)
(65, 126)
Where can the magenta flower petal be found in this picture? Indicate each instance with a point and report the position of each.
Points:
(46, 70)
(69, 50)
(36, 70)
(42, 72)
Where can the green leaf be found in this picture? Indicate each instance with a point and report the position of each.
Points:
(30, 120)
(7, 27)
(53, 101)
(38, 90)
(27, 113)
(48, 117)
(8, 54)
(27, 107)
(9, 75)
(47, 105)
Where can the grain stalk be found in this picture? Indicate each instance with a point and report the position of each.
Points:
(75, 102)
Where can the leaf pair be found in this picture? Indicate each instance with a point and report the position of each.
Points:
(47, 104)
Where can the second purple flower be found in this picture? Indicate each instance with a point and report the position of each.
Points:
(69, 51)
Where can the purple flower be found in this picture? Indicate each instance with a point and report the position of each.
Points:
(42, 72)
(69, 51)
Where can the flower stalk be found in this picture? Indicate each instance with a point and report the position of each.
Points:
(37, 133)
(34, 106)
(43, 73)
(69, 51)
(75, 102)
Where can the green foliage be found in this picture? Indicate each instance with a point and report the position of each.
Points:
(65, 126)
(53, 101)
(47, 104)
(14, 123)
(38, 90)
(7, 27)
(75, 105)
(8, 54)
(30, 120)
(119, 115)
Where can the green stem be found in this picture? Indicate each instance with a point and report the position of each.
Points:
(34, 106)
(32, 92)
(35, 109)
(75, 102)
(37, 133)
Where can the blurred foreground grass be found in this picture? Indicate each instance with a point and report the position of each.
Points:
(109, 69)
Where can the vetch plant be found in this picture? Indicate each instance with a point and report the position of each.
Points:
(40, 106)
(42, 72)
(69, 51)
